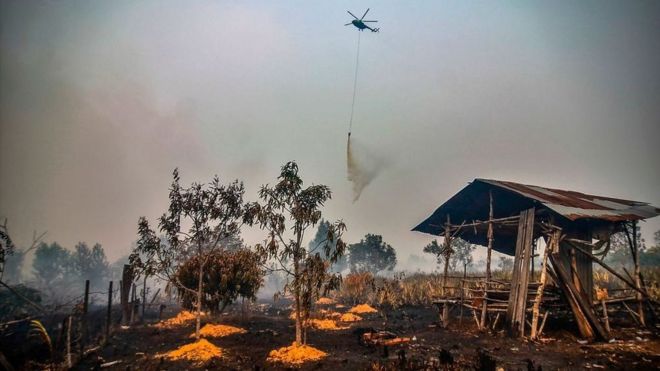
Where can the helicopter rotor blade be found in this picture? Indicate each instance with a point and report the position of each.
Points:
(365, 13)
(368, 21)
(348, 24)
(349, 12)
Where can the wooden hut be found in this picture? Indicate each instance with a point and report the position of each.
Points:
(509, 217)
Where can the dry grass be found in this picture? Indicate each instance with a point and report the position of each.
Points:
(211, 330)
(296, 354)
(363, 308)
(349, 317)
(198, 352)
(180, 319)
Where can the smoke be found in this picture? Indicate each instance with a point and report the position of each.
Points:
(363, 166)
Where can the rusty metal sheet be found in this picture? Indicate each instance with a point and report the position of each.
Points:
(575, 205)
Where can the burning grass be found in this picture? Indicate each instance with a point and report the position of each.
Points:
(363, 308)
(211, 330)
(180, 319)
(198, 352)
(349, 317)
(295, 354)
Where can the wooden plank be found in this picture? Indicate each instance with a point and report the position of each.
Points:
(520, 278)
(562, 277)
(588, 322)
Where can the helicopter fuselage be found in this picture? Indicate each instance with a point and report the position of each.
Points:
(359, 24)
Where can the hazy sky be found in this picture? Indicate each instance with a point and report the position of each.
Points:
(101, 100)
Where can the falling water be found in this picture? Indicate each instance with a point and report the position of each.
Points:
(362, 167)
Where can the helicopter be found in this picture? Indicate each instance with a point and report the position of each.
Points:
(360, 23)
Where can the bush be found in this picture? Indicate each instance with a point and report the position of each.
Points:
(229, 274)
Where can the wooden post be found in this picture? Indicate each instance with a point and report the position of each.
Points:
(531, 275)
(460, 318)
(68, 343)
(126, 282)
(552, 245)
(447, 253)
(108, 318)
(86, 300)
(574, 271)
(83, 329)
(133, 297)
(515, 313)
(484, 307)
(144, 296)
(638, 274)
(606, 318)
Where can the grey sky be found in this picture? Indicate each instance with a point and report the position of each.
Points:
(99, 101)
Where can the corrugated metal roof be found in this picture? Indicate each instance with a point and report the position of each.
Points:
(575, 205)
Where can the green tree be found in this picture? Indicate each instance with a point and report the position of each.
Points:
(619, 253)
(52, 266)
(198, 220)
(230, 274)
(371, 254)
(320, 239)
(12, 257)
(287, 211)
(90, 264)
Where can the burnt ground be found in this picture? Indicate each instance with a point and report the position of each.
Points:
(458, 347)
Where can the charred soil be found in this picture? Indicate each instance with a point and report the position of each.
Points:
(431, 347)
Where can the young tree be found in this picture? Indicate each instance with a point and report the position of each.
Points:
(287, 211)
(459, 251)
(371, 254)
(198, 219)
(462, 253)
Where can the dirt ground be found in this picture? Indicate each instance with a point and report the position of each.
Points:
(458, 347)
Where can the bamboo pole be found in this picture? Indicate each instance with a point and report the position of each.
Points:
(460, 318)
(638, 273)
(554, 238)
(484, 309)
(447, 253)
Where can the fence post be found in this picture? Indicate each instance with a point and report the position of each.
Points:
(68, 343)
(133, 297)
(108, 320)
(83, 320)
(144, 295)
